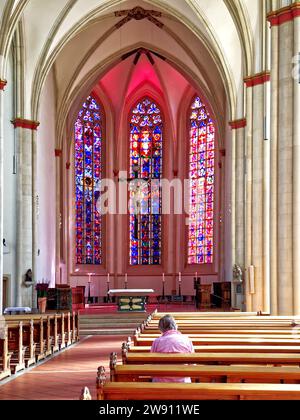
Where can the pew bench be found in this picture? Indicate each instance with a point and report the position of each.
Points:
(183, 392)
(5, 355)
(227, 331)
(225, 349)
(141, 341)
(269, 359)
(206, 374)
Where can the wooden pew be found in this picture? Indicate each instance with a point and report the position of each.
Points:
(206, 374)
(5, 370)
(68, 329)
(295, 350)
(227, 331)
(135, 391)
(272, 359)
(16, 347)
(28, 340)
(225, 341)
(196, 392)
(61, 331)
(40, 350)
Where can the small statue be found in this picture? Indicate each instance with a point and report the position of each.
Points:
(85, 395)
(28, 281)
(237, 274)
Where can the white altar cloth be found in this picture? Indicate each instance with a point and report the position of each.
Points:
(130, 292)
(17, 309)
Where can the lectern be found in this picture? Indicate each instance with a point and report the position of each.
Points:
(203, 294)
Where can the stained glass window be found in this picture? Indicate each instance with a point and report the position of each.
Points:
(146, 160)
(202, 185)
(88, 172)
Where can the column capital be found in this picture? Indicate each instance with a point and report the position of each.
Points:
(257, 79)
(237, 124)
(3, 83)
(285, 14)
(58, 153)
(27, 124)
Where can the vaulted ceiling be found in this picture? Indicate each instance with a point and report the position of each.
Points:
(208, 43)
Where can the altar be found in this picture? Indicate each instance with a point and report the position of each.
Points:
(131, 300)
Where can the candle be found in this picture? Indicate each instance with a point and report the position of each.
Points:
(108, 276)
(179, 277)
(126, 280)
(164, 280)
(196, 275)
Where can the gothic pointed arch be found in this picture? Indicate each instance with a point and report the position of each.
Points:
(146, 171)
(89, 147)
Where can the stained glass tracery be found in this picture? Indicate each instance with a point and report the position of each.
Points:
(146, 160)
(202, 185)
(88, 173)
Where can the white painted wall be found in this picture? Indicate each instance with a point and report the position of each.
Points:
(46, 184)
(10, 187)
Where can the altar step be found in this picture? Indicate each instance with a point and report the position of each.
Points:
(110, 324)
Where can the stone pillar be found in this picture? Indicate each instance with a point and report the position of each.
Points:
(285, 24)
(274, 170)
(58, 155)
(2, 86)
(248, 199)
(260, 299)
(239, 185)
(296, 167)
(25, 237)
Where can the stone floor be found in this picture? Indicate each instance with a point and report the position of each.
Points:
(63, 377)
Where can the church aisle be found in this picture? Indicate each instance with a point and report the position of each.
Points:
(63, 377)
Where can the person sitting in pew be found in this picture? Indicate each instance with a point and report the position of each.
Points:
(171, 341)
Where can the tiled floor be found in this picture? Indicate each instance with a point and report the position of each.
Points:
(63, 377)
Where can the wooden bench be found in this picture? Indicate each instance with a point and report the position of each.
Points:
(16, 347)
(5, 370)
(206, 374)
(226, 349)
(272, 359)
(135, 391)
(141, 341)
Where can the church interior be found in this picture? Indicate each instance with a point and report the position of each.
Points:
(149, 165)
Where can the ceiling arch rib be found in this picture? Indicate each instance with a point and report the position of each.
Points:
(78, 14)
(11, 14)
(84, 86)
(44, 73)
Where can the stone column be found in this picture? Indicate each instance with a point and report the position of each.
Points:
(25, 237)
(274, 170)
(2, 86)
(296, 167)
(248, 198)
(239, 173)
(285, 171)
(285, 29)
(58, 155)
(239, 184)
(260, 300)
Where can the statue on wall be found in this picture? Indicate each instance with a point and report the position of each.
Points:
(28, 281)
(237, 274)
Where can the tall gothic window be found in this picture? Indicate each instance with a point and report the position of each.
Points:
(88, 173)
(202, 184)
(146, 163)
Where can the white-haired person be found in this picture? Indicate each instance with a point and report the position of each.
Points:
(171, 341)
